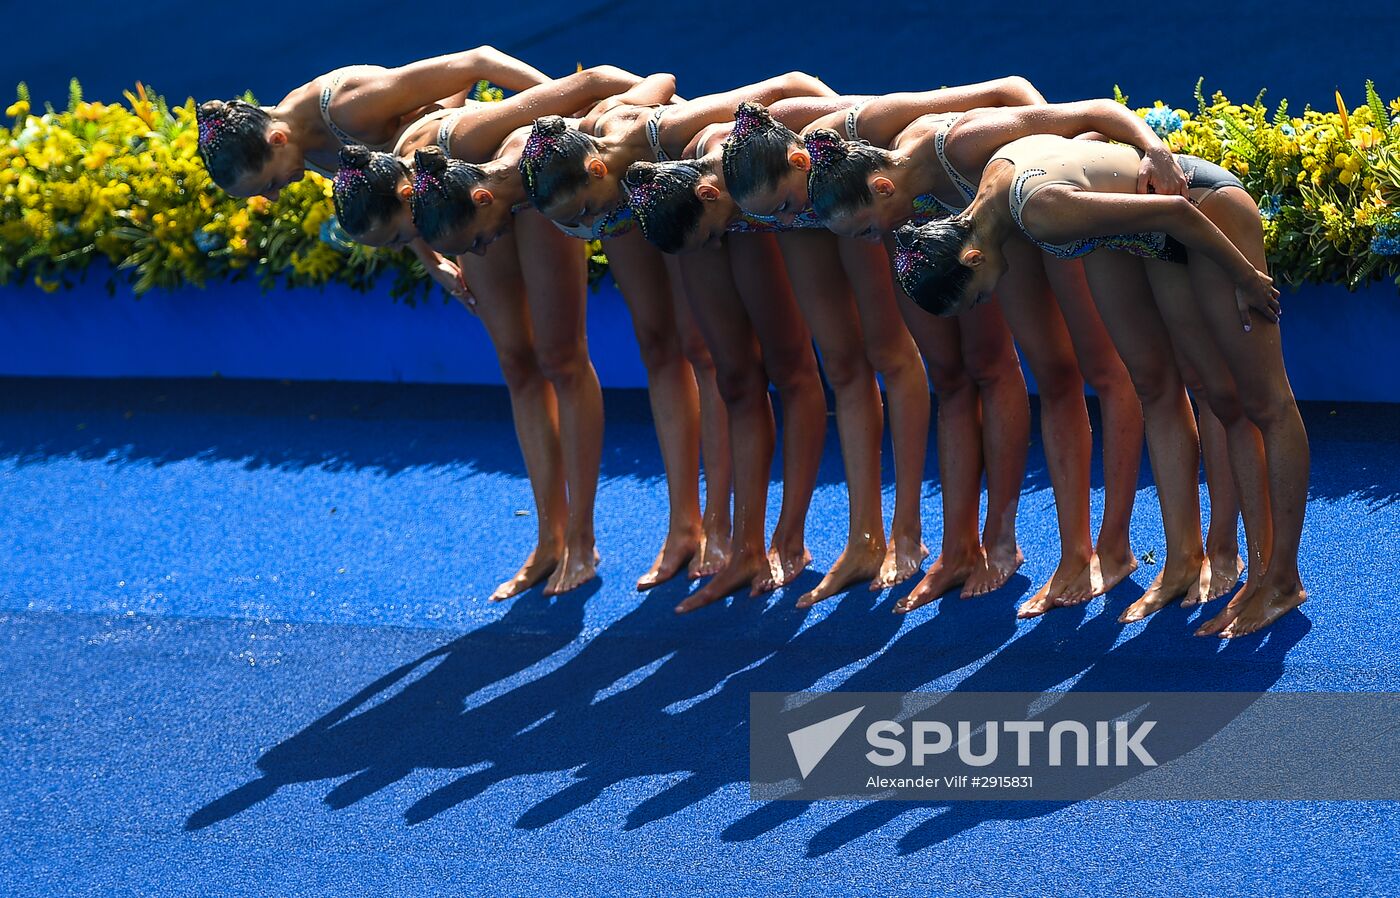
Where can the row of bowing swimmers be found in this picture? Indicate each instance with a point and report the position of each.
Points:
(935, 239)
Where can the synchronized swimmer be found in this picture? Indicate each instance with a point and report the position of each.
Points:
(920, 237)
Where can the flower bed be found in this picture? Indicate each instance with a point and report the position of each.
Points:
(1328, 182)
(106, 201)
(123, 183)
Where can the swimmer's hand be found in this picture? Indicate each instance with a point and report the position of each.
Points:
(1257, 292)
(448, 275)
(1159, 173)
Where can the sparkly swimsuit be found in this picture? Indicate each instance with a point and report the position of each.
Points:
(1149, 245)
(614, 224)
(1203, 178)
(1080, 174)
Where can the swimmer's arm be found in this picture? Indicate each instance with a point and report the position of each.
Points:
(1062, 214)
(975, 138)
(491, 123)
(883, 118)
(653, 90)
(372, 98)
(501, 69)
(650, 91)
(800, 113)
(832, 121)
(681, 123)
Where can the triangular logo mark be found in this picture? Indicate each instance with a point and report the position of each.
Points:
(811, 743)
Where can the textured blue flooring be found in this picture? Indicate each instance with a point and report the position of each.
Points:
(244, 651)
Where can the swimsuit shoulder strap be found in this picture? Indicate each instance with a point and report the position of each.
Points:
(851, 115)
(445, 129)
(328, 90)
(414, 126)
(702, 140)
(654, 134)
(940, 140)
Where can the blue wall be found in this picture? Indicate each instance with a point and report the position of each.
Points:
(1300, 50)
(1339, 345)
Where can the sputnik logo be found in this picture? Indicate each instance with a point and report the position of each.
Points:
(811, 743)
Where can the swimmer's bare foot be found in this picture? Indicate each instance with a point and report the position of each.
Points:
(1264, 606)
(784, 564)
(740, 572)
(678, 549)
(902, 561)
(576, 567)
(860, 561)
(713, 554)
(1219, 575)
(1216, 625)
(1115, 567)
(539, 565)
(998, 564)
(1176, 581)
(947, 572)
(1073, 583)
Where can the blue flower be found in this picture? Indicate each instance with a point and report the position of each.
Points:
(1385, 243)
(1287, 129)
(208, 241)
(1163, 120)
(334, 235)
(1269, 205)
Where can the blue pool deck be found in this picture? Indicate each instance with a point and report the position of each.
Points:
(245, 650)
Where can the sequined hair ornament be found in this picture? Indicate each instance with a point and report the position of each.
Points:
(210, 130)
(908, 258)
(347, 175)
(749, 119)
(644, 195)
(422, 179)
(543, 141)
(825, 147)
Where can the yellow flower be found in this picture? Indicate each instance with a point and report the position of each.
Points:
(18, 109)
(1366, 138)
(46, 286)
(98, 155)
(315, 217)
(1347, 162)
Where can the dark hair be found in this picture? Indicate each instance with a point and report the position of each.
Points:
(232, 139)
(442, 192)
(928, 266)
(836, 183)
(552, 161)
(756, 152)
(662, 197)
(365, 189)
